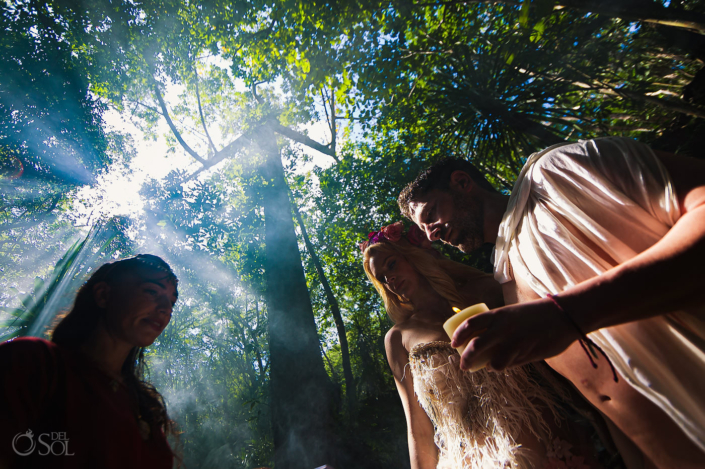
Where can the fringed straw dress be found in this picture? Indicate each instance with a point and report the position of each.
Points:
(479, 416)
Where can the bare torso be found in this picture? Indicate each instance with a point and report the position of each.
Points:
(648, 427)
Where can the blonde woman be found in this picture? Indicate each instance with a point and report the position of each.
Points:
(458, 419)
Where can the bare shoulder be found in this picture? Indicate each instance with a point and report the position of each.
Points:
(397, 355)
(394, 343)
(394, 338)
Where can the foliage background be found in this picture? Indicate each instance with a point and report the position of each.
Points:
(396, 85)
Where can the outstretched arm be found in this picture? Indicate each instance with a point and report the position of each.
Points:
(422, 449)
(666, 277)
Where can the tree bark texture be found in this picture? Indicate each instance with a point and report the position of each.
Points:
(350, 393)
(300, 389)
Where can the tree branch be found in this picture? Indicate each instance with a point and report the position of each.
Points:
(333, 131)
(229, 151)
(301, 138)
(682, 106)
(330, 118)
(325, 109)
(461, 2)
(255, 35)
(173, 128)
(245, 139)
(253, 88)
(330, 363)
(649, 12)
(200, 111)
(140, 103)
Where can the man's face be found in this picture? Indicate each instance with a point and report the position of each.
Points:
(451, 216)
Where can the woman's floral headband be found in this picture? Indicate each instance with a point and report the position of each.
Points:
(393, 233)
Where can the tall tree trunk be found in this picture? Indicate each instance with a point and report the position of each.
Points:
(300, 390)
(350, 393)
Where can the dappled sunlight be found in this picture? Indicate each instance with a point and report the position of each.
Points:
(254, 147)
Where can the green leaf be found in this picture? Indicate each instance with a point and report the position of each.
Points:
(524, 13)
(538, 30)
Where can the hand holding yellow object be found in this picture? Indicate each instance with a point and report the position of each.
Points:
(458, 318)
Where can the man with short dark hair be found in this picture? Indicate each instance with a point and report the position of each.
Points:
(605, 238)
(434, 185)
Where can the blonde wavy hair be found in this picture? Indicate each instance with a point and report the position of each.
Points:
(444, 275)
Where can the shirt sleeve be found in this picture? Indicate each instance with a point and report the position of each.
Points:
(614, 190)
(621, 166)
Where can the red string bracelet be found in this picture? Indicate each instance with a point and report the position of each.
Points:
(585, 342)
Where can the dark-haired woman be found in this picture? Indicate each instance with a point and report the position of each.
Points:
(80, 400)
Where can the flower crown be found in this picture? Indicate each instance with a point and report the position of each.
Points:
(393, 233)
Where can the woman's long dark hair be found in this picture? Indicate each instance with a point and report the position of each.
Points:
(75, 329)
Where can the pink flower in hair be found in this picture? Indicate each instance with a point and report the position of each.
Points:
(373, 237)
(393, 232)
(418, 238)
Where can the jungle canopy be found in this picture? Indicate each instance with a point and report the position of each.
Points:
(253, 144)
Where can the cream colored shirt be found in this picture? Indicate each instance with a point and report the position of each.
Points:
(618, 195)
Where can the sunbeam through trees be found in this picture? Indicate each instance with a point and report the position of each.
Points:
(290, 128)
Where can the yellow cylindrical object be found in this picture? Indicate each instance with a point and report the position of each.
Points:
(458, 318)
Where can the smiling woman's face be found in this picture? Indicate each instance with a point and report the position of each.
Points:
(396, 273)
(139, 306)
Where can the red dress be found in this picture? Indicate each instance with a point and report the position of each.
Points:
(58, 410)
